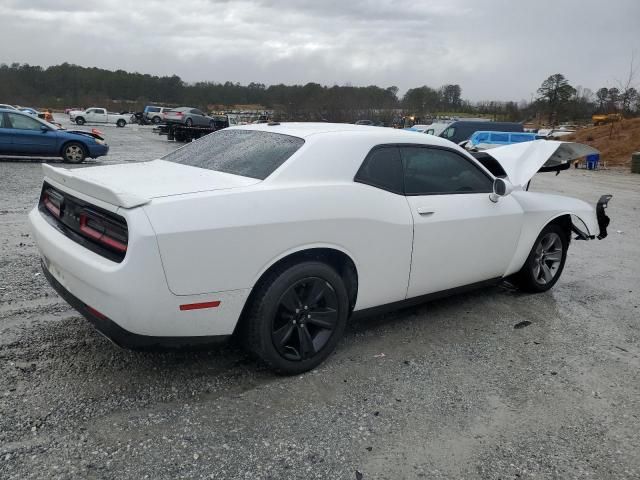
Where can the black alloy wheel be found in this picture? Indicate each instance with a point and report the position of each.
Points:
(296, 316)
(306, 316)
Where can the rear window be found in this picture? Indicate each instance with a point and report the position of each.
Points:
(248, 153)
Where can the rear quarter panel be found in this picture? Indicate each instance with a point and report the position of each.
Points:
(225, 240)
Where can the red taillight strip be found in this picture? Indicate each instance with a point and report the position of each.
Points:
(196, 306)
(100, 237)
(52, 207)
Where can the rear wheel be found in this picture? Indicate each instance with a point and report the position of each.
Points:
(189, 122)
(73, 153)
(545, 263)
(156, 120)
(297, 316)
(121, 123)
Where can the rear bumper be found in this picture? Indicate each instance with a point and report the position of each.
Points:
(120, 336)
(132, 294)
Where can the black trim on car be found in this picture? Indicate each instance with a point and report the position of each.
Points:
(410, 302)
(473, 161)
(122, 337)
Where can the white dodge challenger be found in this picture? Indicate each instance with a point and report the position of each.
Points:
(281, 232)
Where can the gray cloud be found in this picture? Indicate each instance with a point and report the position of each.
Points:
(494, 49)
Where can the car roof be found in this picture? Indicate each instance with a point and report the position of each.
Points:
(380, 135)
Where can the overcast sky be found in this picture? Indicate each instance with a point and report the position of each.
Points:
(495, 49)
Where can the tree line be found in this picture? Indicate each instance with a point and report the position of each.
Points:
(68, 85)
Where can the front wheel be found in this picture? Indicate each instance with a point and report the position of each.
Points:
(545, 263)
(73, 153)
(80, 121)
(121, 123)
(297, 316)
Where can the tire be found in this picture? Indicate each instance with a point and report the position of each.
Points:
(80, 121)
(189, 122)
(121, 123)
(296, 316)
(74, 152)
(545, 262)
(156, 120)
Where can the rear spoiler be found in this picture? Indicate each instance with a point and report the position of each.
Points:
(92, 187)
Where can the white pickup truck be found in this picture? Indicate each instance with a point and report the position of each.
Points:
(98, 115)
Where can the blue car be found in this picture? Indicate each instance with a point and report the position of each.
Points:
(485, 139)
(26, 135)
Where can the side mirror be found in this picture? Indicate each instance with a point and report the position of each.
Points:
(44, 128)
(501, 188)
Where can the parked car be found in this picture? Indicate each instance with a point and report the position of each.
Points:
(7, 106)
(437, 128)
(155, 114)
(281, 232)
(24, 134)
(463, 129)
(559, 133)
(30, 111)
(98, 115)
(189, 117)
(484, 140)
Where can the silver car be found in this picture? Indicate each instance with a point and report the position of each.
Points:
(190, 117)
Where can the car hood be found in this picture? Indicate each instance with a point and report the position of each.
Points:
(134, 184)
(522, 161)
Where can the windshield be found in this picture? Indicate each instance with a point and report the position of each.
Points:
(249, 153)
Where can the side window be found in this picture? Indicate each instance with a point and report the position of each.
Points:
(520, 137)
(197, 112)
(482, 137)
(22, 122)
(382, 168)
(449, 132)
(429, 171)
(1, 120)
(500, 137)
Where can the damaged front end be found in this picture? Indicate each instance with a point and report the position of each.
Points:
(601, 216)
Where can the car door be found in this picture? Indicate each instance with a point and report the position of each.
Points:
(198, 118)
(97, 115)
(460, 236)
(5, 135)
(28, 137)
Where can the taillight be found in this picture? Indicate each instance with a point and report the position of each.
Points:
(104, 231)
(53, 202)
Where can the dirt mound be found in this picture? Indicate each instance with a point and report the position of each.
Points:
(616, 141)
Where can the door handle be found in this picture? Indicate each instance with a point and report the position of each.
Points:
(424, 211)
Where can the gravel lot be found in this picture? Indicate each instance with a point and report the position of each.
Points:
(446, 390)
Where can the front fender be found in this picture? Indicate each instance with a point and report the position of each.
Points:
(539, 209)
